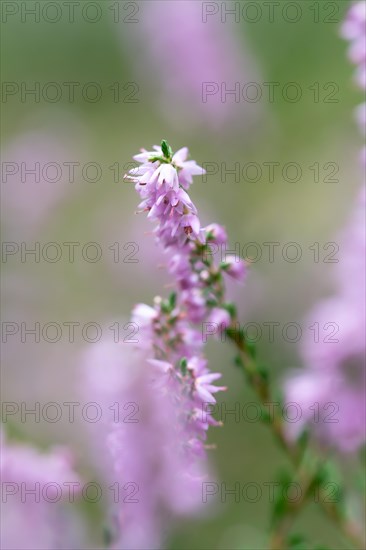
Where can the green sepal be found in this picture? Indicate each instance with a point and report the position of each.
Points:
(165, 306)
(160, 159)
(263, 372)
(183, 365)
(167, 150)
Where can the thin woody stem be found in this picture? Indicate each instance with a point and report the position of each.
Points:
(280, 533)
(294, 451)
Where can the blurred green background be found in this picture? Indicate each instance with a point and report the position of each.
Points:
(107, 132)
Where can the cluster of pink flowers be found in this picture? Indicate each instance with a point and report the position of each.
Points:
(165, 452)
(162, 181)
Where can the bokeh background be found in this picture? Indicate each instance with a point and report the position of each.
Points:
(147, 60)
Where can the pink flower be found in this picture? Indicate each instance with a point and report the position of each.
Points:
(143, 317)
(334, 409)
(36, 490)
(155, 456)
(354, 30)
(216, 233)
(36, 180)
(168, 176)
(235, 267)
(164, 453)
(189, 55)
(354, 25)
(205, 389)
(220, 317)
(156, 444)
(334, 352)
(161, 183)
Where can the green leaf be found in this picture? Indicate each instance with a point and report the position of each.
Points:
(173, 300)
(281, 504)
(263, 372)
(297, 542)
(230, 308)
(279, 509)
(265, 417)
(303, 439)
(107, 536)
(238, 362)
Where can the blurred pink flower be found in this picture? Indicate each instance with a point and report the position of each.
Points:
(334, 351)
(354, 30)
(351, 268)
(334, 409)
(38, 519)
(235, 267)
(104, 378)
(35, 180)
(196, 64)
(157, 477)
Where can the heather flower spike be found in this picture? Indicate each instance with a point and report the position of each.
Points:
(173, 380)
(174, 383)
(162, 182)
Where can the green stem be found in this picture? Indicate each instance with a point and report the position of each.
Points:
(294, 451)
(307, 479)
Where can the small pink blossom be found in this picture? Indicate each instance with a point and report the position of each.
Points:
(235, 267)
(220, 317)
(217, 233)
